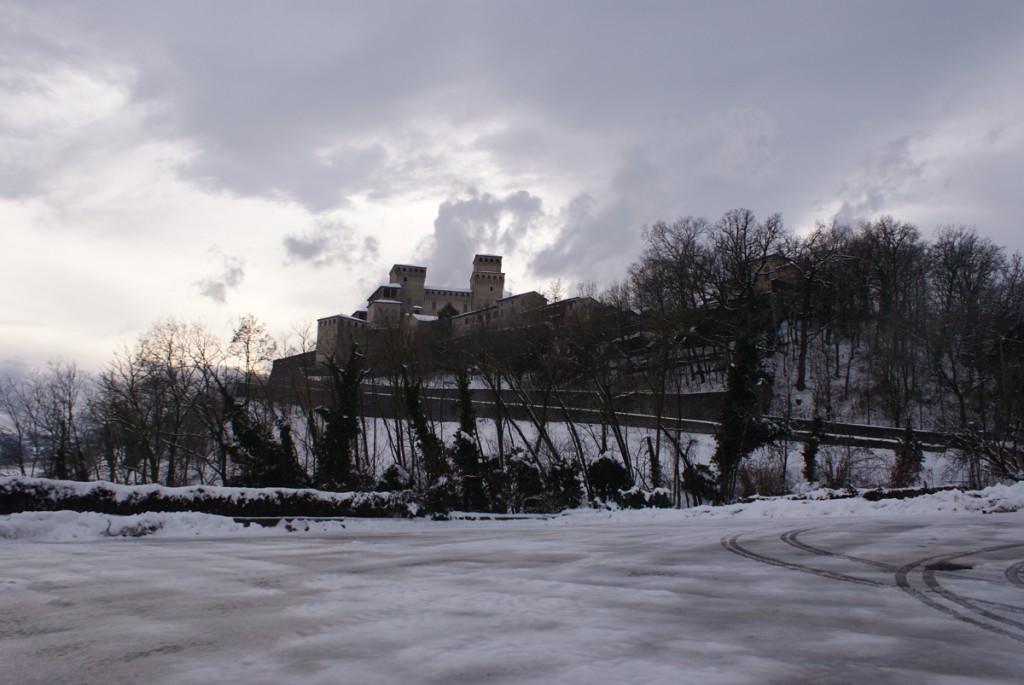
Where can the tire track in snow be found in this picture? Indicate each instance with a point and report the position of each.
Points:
(1015, 574)
(928, 589)
(731, 543)
(918, 578)
(791, 538)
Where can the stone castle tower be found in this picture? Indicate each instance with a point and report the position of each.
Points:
(413, 281)
(487, 284)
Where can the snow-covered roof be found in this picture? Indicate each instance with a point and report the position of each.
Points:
(342, 316)
(433, 289)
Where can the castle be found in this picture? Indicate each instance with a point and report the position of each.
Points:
(406, 299)
(406, 292)
(407, 303)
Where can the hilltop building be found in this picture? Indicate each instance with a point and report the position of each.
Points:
(406, 303)
(406, 292)
(407, 299)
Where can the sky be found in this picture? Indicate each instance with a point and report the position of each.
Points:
(208, 160)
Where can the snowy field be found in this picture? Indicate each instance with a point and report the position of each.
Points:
(929, 590)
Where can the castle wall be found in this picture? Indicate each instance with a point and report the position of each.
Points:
(434, 300)
(512, 309)
(384, 313)
(335, 336)
(508, 312)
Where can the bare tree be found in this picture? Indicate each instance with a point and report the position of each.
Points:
(892, 255)
(671, 277)
(813, 256)
(14, 403)
(965, 272)
(209, 357)
(53, 415)
(252, 348)
(147, 399)
(743, 247)
(555, 291)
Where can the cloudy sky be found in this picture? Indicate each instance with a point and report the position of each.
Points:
(205, 160)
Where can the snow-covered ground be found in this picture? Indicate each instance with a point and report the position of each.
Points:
(929, 590)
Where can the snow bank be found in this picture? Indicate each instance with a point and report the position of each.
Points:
(821, 503)
(991, 500)
(63, 526)
(68, 526)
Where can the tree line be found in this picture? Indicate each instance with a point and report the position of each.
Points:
(871, 324)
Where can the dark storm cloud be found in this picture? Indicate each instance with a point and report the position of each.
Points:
(478, 222)
(145, 120)
(31, 65)
(886, 176)
(314, 247)
(229, 274)
(594, 243)
(287, 102)
(735, 103)
(330, 242)
(597, 237)
(278, 101)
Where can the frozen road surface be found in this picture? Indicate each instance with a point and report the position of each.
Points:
(645, 597)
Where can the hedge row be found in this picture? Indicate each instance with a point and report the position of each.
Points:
(37, 494)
